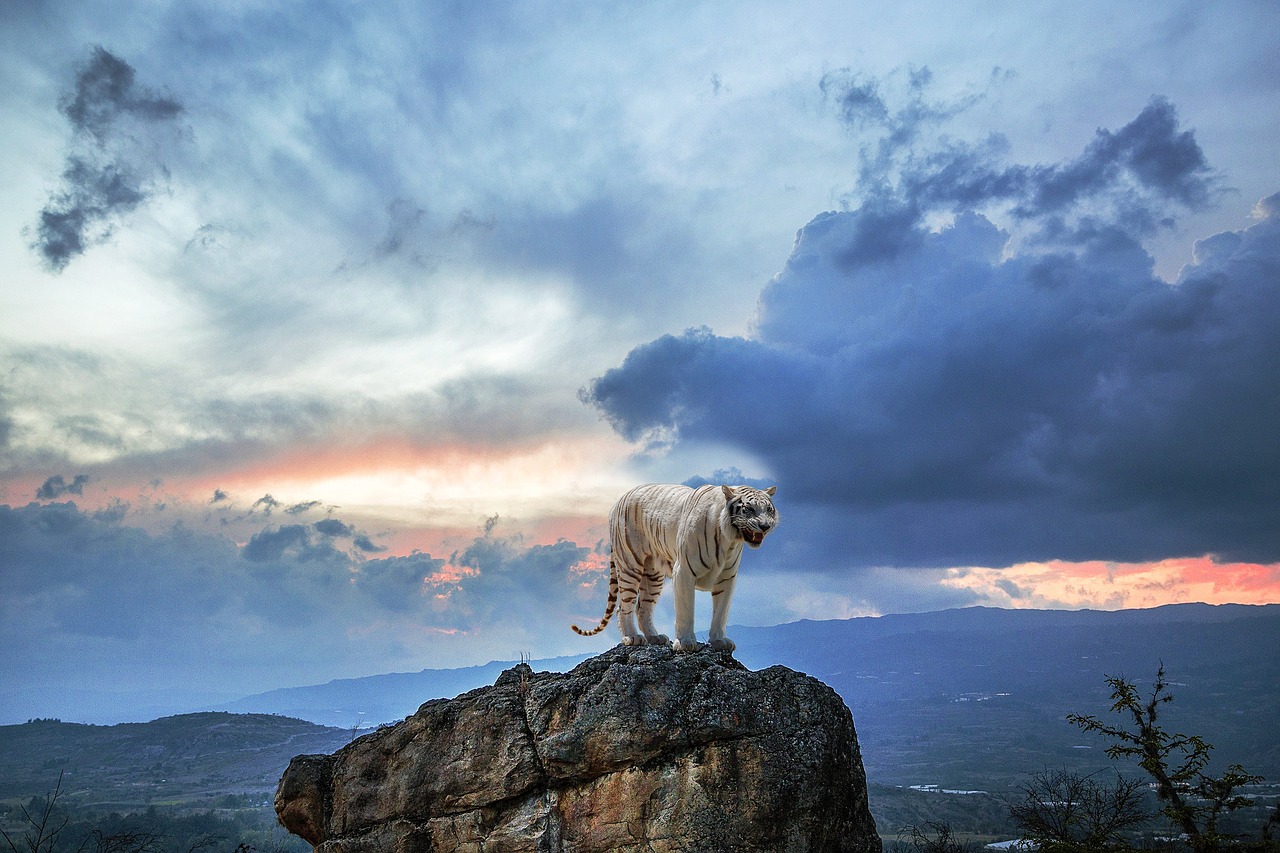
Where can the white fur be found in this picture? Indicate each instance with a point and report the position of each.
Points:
(690, 536)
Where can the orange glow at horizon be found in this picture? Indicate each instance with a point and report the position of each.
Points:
(437, 500)
(556, 486)
(443, 485)
(1113, 586)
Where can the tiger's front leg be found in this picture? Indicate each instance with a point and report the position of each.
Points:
(721, 594)
(682, 588)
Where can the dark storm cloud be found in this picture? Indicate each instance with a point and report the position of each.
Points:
(1152, 148)
(858, 97)
(494, 577)
(509, 577)
(272, 544)
(112, 168)
(397, 583)
(78, 214)
(366, 545)
(864, 103)
(1136, 171)
(56, 486)
(106, 90)
(78, 584)
(292, 541)
(945, 398)
(113, 513)
(1139, 169)
(333, 527)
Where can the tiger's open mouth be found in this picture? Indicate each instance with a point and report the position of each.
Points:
(753, 537)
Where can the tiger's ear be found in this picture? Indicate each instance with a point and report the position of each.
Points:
(771, 491)
(728, 492)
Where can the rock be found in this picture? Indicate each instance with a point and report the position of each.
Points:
(637, 749)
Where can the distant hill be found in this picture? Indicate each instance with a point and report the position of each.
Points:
(376, 699)
(971, 699)
(191, 758)
(968, 698)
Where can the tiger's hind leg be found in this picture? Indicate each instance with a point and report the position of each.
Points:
(650, 589)
(630, 586)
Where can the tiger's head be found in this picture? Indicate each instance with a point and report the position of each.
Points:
(751, 511)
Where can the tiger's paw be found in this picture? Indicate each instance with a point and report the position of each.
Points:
(686, 645)
(658, 639)
(637, 640)
(724, 644)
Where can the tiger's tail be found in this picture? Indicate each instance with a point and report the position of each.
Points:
(608, 608)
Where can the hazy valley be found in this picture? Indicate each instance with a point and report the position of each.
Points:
(964, 700)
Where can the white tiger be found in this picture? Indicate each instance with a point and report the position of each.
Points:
(694, 537)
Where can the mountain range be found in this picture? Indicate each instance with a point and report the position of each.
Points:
(967, 698)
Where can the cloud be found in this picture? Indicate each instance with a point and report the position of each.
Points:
(1151, 150)
(295, 542)
(857, 96)
(113, 166)
(398, 584)
(126, 413)
(366, 545)
(290, 606)
(864, 103)
(106, 91)
(505, 577)
(728, 477)
(494, 578)
(333, 527)
(55, 487)
(1133, 175)
(273, 544)
(267, 502)
(614, 242)
(6, 422)
(956, 395)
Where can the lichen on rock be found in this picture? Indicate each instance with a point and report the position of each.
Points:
(637, 749)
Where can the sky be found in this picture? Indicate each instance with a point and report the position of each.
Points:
(330, 332)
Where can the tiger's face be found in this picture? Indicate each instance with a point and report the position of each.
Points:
(751, 511)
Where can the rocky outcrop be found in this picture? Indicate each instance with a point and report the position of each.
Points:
(638, 749)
